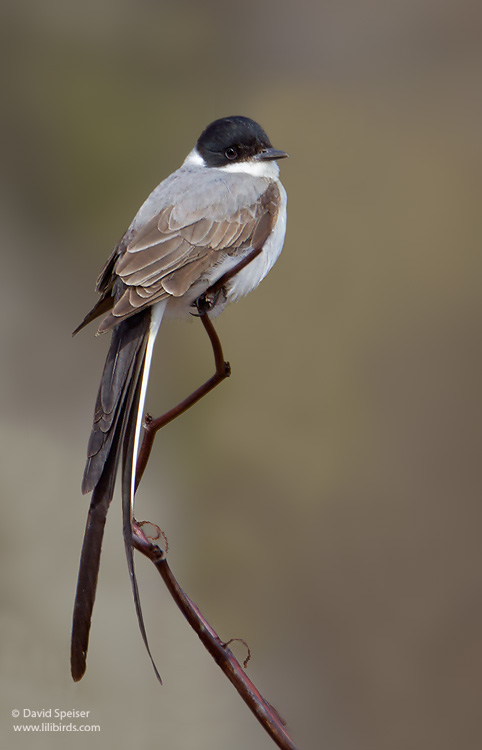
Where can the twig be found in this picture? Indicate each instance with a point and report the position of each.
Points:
(152, 426)
(204, 303)
(223, 656)
(267, 716)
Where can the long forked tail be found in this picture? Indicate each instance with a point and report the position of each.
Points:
(116, 428)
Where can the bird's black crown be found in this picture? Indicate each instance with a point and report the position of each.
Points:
(231, 139)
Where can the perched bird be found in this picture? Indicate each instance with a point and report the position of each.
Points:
(222, 214)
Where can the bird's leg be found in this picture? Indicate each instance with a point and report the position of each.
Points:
(151, 426)
(204, 304)
(207, 301)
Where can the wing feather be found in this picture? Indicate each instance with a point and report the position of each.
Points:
(178, 283)
(159, 249)
(170, 250)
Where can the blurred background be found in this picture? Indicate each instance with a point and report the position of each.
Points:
(324, 503)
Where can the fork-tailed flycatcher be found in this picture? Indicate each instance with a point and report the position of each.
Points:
(223, 206)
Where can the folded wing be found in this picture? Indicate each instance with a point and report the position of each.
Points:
(183, 240)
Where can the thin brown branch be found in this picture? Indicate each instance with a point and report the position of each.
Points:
(223, 656)
(152, 426)
(223, 370)
(267, 716)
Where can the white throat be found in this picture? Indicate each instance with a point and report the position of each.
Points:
(253, 167)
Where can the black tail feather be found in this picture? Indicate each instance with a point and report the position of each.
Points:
(117, 386)
(116, 401)
(89, 566)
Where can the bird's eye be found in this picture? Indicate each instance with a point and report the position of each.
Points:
(231, 154)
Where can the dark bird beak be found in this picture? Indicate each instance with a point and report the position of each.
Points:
(269, 154)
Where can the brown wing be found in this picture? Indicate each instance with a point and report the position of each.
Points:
(167, 256)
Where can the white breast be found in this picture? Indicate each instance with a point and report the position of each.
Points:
(250, 276)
